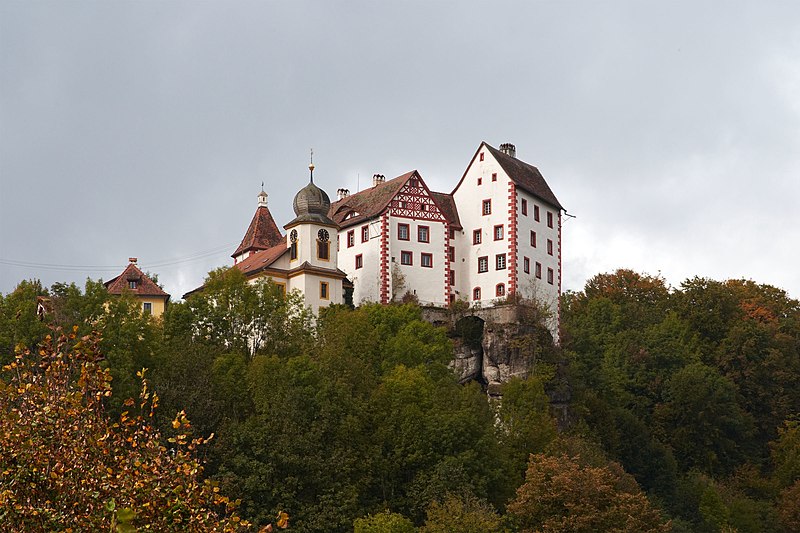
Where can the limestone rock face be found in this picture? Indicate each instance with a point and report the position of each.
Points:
(467, 361)
(509, 350)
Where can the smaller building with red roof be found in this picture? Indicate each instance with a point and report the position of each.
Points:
(133, 281)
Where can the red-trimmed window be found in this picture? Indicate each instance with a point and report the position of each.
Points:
(423, 233)
(452, 233)
(481, 156)
(536, 213)
(549, 219)
(526, 265)
(406, 258)
(351, 238)
(524, 205)
(486, 207)
(476, 236)
(403, 232)
(494, 176)
(480, 181)
(359, 261)
(451, 254)
(549, 247)
(533, 238)
(550, 276)
(476, 292)
(364, 233)
(500, 262)
(538, 270)
(500, 289)
(483, 264)
(452, 277)
(498, 232)
(426, 260)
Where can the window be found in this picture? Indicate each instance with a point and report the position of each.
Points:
(426, 260)
(533, 238)
(481, 156)
(480, 181)
(500, 290)
(476, 236)
(359, 261)
(536, 213)
(500, 262)
(351, 238)
(451, 253)
(549, 219)
(423, 207)
(483, 264)
(498, 233)
(406, 258)
(487, 207)
(132, 284)
(293, 246)
(402, 232)
(323, 290)
(494, 176)
(549, 247)
(323, 245)
(526, 265)
(538, 270)
(476, 293)
(525, 207)
(147, 308)
(550, 276)
(423, 234)
(414, 182)
(364, 233)
(452, 277)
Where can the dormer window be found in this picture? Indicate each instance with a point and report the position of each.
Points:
(132, 284)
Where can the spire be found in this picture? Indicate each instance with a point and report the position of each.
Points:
(262, 197)
(311, 166)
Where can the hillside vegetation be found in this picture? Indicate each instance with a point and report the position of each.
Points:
(683, 414)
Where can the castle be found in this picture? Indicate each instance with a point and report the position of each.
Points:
(497, 235)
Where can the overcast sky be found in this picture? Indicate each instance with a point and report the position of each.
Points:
(671, 130)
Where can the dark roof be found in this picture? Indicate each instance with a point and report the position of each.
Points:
(311, 204)
(368, 203)
(144, 285)
(447, 204)
(262, 233)
(525, 176)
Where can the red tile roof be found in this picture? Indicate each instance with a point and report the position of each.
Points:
(262, 234)
(447, 204)
(144, 285)
(525, 176)
(262, 258)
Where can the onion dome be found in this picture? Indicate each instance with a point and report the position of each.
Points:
(311, 204)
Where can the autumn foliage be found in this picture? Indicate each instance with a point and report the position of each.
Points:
(65, 466)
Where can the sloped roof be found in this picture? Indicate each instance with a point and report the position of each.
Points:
(368, 203)
(144, 285)
(262, 258)
(262, 234)
(447, 204)
(525, 176)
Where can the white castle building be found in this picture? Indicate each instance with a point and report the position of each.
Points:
(496, 235)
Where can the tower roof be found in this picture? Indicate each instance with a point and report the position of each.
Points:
(311, 204)
(262, 233)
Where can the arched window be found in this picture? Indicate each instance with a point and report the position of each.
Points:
(500, 289)
(476, 293)
(293, 240)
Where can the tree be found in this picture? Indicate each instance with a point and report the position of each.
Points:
(66, 465)
(465, 514)
(561, 493)
(385, 522)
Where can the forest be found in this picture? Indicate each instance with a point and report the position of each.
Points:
(253, 415)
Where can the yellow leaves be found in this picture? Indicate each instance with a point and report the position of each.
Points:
(176, 423)
(282, 520)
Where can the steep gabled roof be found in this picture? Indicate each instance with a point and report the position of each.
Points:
(447, 204)
(262, 258)
(368, 203)
(262, 234)
(525, 176)
(144, 285)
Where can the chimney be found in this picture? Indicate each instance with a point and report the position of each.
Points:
(133, 259)
(509, 149)
(343, 193)
(378, 178)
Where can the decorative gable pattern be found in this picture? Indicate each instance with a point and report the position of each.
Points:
(414, 200)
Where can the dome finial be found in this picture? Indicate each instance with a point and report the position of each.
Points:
(311, 166)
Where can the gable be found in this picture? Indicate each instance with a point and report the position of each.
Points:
(414, 200)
